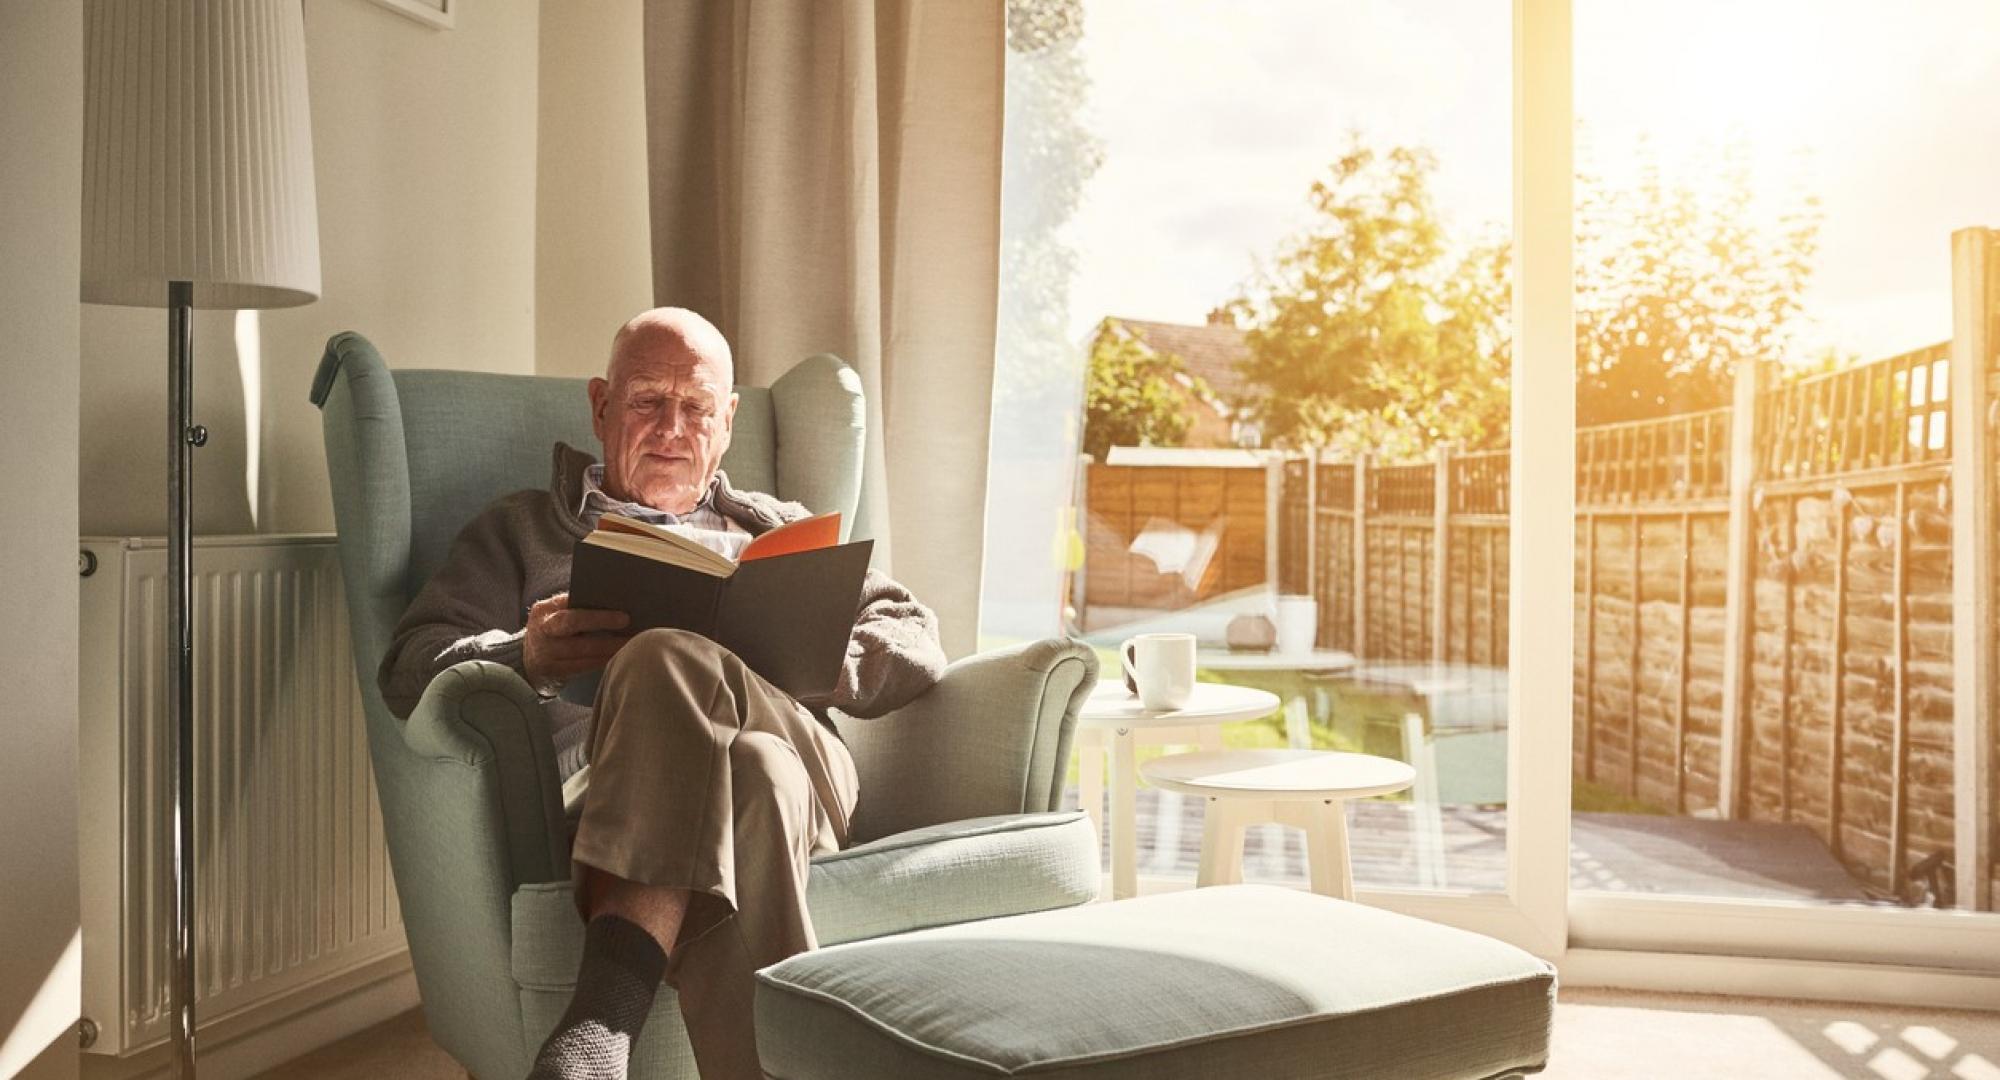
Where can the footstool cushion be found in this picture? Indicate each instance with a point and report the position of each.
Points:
(1243, 980)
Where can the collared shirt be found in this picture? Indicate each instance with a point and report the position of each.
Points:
(705, 525)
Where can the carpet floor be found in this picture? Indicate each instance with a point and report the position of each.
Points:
(1599, 1035)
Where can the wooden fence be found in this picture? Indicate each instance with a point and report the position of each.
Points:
(1848, 723)
(1831, 691)
(1205, 530)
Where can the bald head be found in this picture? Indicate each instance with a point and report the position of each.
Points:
(665, 409)
(672, 332)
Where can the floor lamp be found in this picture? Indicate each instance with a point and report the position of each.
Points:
(197, 193)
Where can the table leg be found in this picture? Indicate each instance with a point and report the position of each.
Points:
(1209, 737)
(1298, 723)
(1326, 850)
(1124, 816)
(1090, 778)
(1222, 824)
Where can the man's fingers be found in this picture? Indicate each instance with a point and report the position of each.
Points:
(570, 621)
(586, 645)
(574, 656)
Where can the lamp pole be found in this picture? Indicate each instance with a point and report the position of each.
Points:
(183, 436)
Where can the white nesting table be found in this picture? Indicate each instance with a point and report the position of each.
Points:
(1302, 788)
(1322, 662)
(1114, 719)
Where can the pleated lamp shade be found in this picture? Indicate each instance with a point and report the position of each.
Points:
(197, 154)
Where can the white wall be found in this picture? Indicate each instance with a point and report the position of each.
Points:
(593, 246)
(41, 125)
(434, 243)
(424, 147)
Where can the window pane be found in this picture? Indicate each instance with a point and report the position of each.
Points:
(1765, 683)
(1268, 245)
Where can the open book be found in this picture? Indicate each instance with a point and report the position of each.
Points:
(786, 605)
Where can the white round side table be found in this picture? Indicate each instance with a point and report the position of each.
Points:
(1305, 789)
(1113, 716)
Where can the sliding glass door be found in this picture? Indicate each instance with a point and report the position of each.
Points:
(1262, 354)
(1782, 721)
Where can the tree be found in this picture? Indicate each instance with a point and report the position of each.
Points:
(1135, 397)
(1677, 281)
(1369, 331)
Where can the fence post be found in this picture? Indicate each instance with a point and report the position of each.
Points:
(1740, 591)
(1361, 463)
(1312, 521)
(1274, 518)
(1441, 553)
(1975, 703)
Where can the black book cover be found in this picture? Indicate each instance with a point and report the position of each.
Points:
(788, 617)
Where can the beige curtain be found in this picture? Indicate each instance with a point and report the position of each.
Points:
(826, 178)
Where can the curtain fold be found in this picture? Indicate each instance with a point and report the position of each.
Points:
(825, 177)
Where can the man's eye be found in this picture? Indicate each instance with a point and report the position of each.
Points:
(644, 405)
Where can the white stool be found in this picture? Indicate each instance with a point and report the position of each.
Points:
(1301, 788)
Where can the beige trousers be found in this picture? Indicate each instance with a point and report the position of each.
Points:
(707, 778)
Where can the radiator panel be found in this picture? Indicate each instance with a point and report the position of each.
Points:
(292, 881)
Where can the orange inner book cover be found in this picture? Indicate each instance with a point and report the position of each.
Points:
(807, 534)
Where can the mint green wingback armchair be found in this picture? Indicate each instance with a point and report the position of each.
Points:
(959, 815)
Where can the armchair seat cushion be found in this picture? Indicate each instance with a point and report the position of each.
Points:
(980, 868)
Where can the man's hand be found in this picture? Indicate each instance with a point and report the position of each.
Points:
(562, 641)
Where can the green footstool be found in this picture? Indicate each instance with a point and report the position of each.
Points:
(1243, 980)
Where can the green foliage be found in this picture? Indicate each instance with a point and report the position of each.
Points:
(1677, 281)
(1368, 332)
(1136, 397)
(1372, 332)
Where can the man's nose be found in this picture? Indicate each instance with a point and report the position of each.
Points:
(671, 424)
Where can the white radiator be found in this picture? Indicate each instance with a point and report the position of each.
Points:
(293, 899)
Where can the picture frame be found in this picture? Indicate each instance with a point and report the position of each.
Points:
(438, 14)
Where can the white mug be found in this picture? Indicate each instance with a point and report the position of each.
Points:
(1161, 666)
(1298, 624)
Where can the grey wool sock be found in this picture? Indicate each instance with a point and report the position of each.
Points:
(621, 970)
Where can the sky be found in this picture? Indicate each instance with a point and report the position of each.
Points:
(1216, 117)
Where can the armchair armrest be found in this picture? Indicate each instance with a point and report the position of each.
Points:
(992, 737)
(483, 715)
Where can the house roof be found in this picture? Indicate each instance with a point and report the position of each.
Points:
(1211, 350)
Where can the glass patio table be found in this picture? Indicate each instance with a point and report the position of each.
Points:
(1318, 663)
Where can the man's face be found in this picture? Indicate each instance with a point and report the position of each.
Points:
(664, 415)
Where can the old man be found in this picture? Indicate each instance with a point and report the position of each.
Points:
(709, 788)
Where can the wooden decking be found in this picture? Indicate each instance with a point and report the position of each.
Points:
(1618, 852)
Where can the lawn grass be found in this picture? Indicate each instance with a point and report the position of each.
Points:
(1588, 797)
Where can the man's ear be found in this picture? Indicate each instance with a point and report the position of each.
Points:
(729, 419)
(600, 396)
